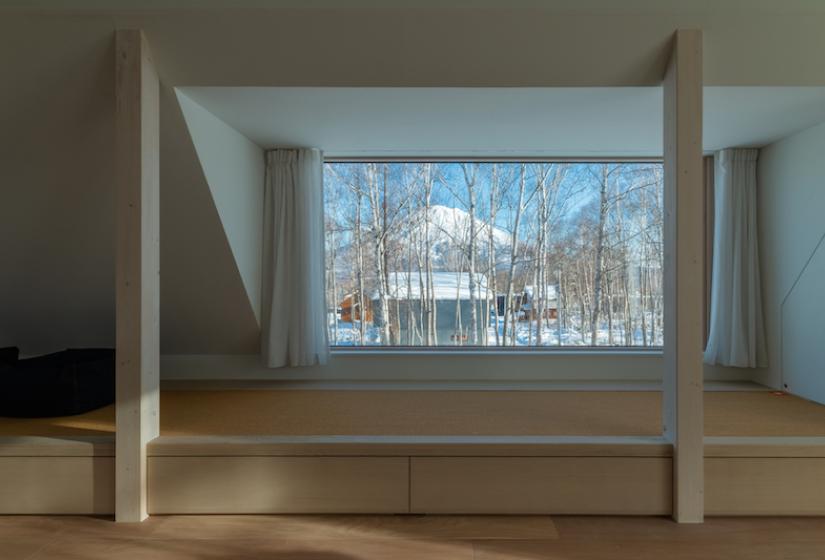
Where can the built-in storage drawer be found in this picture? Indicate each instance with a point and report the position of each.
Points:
(764, 486)
(278, 485)
(57, 485)
(546, 485)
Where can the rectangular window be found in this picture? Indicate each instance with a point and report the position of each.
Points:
(515, 254)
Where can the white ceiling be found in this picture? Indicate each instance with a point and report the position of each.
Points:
(454, 122)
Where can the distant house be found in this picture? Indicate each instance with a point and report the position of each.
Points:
(528, 308)
(350, 311)
(524, 304)
(451, 292)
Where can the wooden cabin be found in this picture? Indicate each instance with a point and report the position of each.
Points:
(527, 311)
(350, 309)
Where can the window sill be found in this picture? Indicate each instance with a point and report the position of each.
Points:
(474, 351)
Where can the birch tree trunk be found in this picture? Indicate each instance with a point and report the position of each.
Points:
(411, 327)
(559, 304)
(432, 309)
(537, 305)
(359, 244)
(599, 261)
(333, 286)
(377, 207)
(492, 289)
(470, 177)
(509, 311)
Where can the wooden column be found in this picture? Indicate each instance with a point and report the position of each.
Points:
(683, 273)
(137, 269)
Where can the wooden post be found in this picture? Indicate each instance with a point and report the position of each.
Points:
(137, 269)
(683, 274)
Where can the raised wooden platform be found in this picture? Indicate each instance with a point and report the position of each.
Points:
(588, 452)
(440, 413)
(62, 475)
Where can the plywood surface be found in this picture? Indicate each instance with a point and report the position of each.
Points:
(765, 486)
(417, 446)
(100, 422)
(536, 485)
(63, 485)
(278, 485)
(228, 412)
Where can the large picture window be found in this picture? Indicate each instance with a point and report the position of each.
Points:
(515, 254)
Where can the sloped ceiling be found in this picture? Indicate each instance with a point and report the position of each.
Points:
(204, 304)
(502, 122)
(234, 170)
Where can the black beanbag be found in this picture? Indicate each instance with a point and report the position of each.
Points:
(9, 355)
(59, 384)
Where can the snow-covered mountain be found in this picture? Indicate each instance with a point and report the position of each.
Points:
(454, 223)
(449, 235)
(450, 227)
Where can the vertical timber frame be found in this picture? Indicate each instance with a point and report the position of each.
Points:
(683, 274)
(137, 269)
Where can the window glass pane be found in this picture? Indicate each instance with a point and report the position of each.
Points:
(494, 254)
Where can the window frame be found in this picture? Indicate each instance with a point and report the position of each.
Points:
(390, 351)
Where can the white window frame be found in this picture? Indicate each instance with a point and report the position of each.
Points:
(583, 351)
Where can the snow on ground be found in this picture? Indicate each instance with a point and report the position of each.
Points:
(349, 335)
(445, 286)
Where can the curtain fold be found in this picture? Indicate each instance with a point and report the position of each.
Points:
(293, 318)
(736, 335)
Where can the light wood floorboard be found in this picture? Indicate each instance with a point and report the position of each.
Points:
(399, 413)
(409, 537)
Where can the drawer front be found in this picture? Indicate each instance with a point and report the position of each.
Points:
(278, 485)
(542, 485)
(764, 486)
(57, 485)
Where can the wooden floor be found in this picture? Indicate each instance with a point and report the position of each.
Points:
(412, 537)
(460, 412)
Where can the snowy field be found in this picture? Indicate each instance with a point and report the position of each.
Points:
(348, 334)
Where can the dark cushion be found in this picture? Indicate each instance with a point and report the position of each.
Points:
(59, 384)
(9, 355)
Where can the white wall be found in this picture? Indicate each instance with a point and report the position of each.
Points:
(234, 169)
(203, 300)
(57, 101)
(792, 224)
(57, 229)
(57, 284)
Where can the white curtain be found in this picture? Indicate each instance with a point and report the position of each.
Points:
(736, 335)
(293, 317)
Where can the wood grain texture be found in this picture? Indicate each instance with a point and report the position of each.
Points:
(416, 446)
(137, 265)
(330, 537)
(540, 485)
(193, 413)
(410, 413)
(765, 486)
(338, 527)
(39, 446)
(57, 485)
(799, 447)
(683, 271)
(278, 485)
